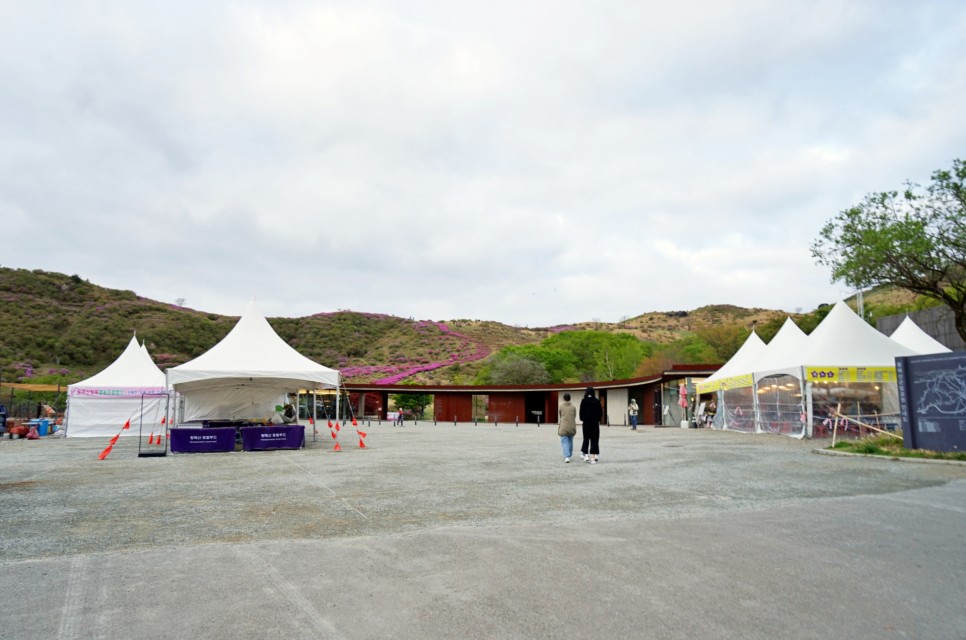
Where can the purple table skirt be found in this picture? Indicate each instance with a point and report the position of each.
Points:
(276, 436)
(208, 440)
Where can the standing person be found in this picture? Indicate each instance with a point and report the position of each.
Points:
(567, 426)
(632, 412)
(590, 415)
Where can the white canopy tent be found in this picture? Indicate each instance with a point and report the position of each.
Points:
(791, 384)
(736, 368)
(738, 402)
(843, 357)
(131, 388)
(245, 375)
(909, 334)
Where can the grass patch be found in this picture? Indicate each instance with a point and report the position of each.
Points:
(883, 445)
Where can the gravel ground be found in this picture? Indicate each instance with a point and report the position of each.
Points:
(455, 528)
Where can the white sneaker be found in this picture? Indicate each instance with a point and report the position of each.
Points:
(593, 461)
(585, 457)
(567, 460)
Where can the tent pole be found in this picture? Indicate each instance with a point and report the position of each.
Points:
(338, 396)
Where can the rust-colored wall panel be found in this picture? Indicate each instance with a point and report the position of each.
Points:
(448, 405)
(508, 407)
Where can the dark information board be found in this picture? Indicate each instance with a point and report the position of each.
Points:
(932, 401)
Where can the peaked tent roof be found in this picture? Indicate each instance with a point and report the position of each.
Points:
(737, 365)
(252, 350)
(844, 339)
(911, 335)
(784, 351)
(133, 368)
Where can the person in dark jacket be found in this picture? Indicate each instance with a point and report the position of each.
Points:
(590, 414)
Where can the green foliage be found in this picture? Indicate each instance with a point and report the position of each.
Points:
(569, 356)
(915, 240)
(723, 339)
(892, 447)
(517, 369)
(412, 403)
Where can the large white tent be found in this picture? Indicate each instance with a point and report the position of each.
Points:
(245, 375)
(909, 334)
(132, 388)
(797, 380)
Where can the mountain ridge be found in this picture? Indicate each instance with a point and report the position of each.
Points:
(57, 327)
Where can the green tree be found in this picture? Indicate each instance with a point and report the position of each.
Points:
(915, 240)
(414, 403)
(724, 339)
(600, 355)
(517, 369)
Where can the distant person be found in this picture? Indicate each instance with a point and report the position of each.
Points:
(3, 417)
(590, 414)
(632, 411)
(567, 426)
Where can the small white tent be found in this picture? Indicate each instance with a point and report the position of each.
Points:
(909, 334)
(245, 375)
(131, 388)
(736, 368)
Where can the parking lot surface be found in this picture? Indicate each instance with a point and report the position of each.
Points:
(480, 531)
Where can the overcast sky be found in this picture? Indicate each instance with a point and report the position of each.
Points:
(534, 163)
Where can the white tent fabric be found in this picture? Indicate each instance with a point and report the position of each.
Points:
(843, 349)
(909, 334)
(246, 374)
(738, 365)
(131, 388)
(843, 339)
(783, 353)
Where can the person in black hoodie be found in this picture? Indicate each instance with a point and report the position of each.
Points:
(590, 415)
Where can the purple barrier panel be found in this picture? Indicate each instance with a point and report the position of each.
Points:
(276, 436)
(207, 440)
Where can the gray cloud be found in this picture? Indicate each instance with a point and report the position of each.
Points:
(534, 163)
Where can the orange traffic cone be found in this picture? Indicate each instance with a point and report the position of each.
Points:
(127, 425)
(114, 439)
(151, 438)
(362, 443)
(333, 434)
(105, 452)
(354, 423)
(337, 447)
(362, 434)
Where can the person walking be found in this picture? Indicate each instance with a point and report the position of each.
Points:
(567, 426)
(590, 415)
(632, 412)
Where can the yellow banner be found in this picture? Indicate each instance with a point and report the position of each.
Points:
(734, 382)
(850, 374)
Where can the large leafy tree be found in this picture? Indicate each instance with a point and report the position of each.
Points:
(413, 403)
(517, 369)
(915, 239)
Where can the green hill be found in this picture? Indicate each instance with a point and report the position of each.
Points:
(57, 328)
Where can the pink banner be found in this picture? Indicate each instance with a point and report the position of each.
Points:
(117, 392)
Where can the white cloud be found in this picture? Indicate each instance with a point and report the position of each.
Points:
(534, 163)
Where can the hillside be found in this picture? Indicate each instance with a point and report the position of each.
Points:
(59, 329)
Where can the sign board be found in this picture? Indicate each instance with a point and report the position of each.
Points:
(932, 401)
